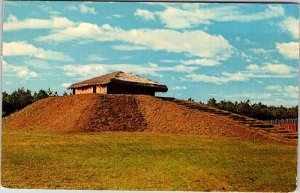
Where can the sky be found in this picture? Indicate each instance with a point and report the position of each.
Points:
(199, 50)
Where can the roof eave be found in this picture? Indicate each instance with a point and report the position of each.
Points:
(84, 85)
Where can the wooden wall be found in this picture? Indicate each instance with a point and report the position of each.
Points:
(90, 89)
(115, 89)
(84, 90)
(101, 89)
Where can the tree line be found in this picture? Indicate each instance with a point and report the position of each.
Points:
(20, 98)
(255, 110)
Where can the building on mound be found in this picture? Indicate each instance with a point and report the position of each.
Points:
(118, 83)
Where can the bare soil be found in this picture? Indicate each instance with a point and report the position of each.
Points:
(96, 112)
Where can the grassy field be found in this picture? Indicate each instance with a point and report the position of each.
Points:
(145, 161)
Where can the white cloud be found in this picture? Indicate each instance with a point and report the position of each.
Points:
(209, 46)
(65, 85)
(96, 69)
(277, 88)
(288, 91)
(291, 88)
(291, 25)
(252, 71)
(54, 12)
(80, 31)
(252, 67)
(277, 68)
(224, 78)
(244, 41)
(260, 51)
(71, 7)
(125, 57)
(19, 71)
(145, 14)
(179, 88)
(85, 9)
(248, 42)
(201, 62)
(291, 91)
(153, 65)
(168, 61)
(114, 16)
(84, 70)
(95, 58)
(13, 24)
(175, 17)
(37, 63)
(282, 69)
(289, 50)
(246, 57)
(24, 49)
(238, 38)
(48, 10)
(189, 16)
(128, 47)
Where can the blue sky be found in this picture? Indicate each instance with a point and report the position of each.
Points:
(199, 50)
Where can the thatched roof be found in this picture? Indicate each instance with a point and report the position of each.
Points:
(123, 78)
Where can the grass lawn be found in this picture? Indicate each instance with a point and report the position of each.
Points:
(145, 161)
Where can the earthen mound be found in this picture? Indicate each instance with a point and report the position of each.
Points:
(96, 112)
(79, 113)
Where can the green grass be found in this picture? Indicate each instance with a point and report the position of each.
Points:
(145, 161)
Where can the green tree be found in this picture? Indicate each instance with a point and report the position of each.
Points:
(51, 93)
(212, 102)
(40, 95)
(6, 106)
(256, 110)
(20, 98)
(243, 107)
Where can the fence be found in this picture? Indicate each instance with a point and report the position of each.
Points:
(289, 124)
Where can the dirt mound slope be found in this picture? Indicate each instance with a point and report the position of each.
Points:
(95, 112)
(79, 113)
(248, 122)
(168, 116)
